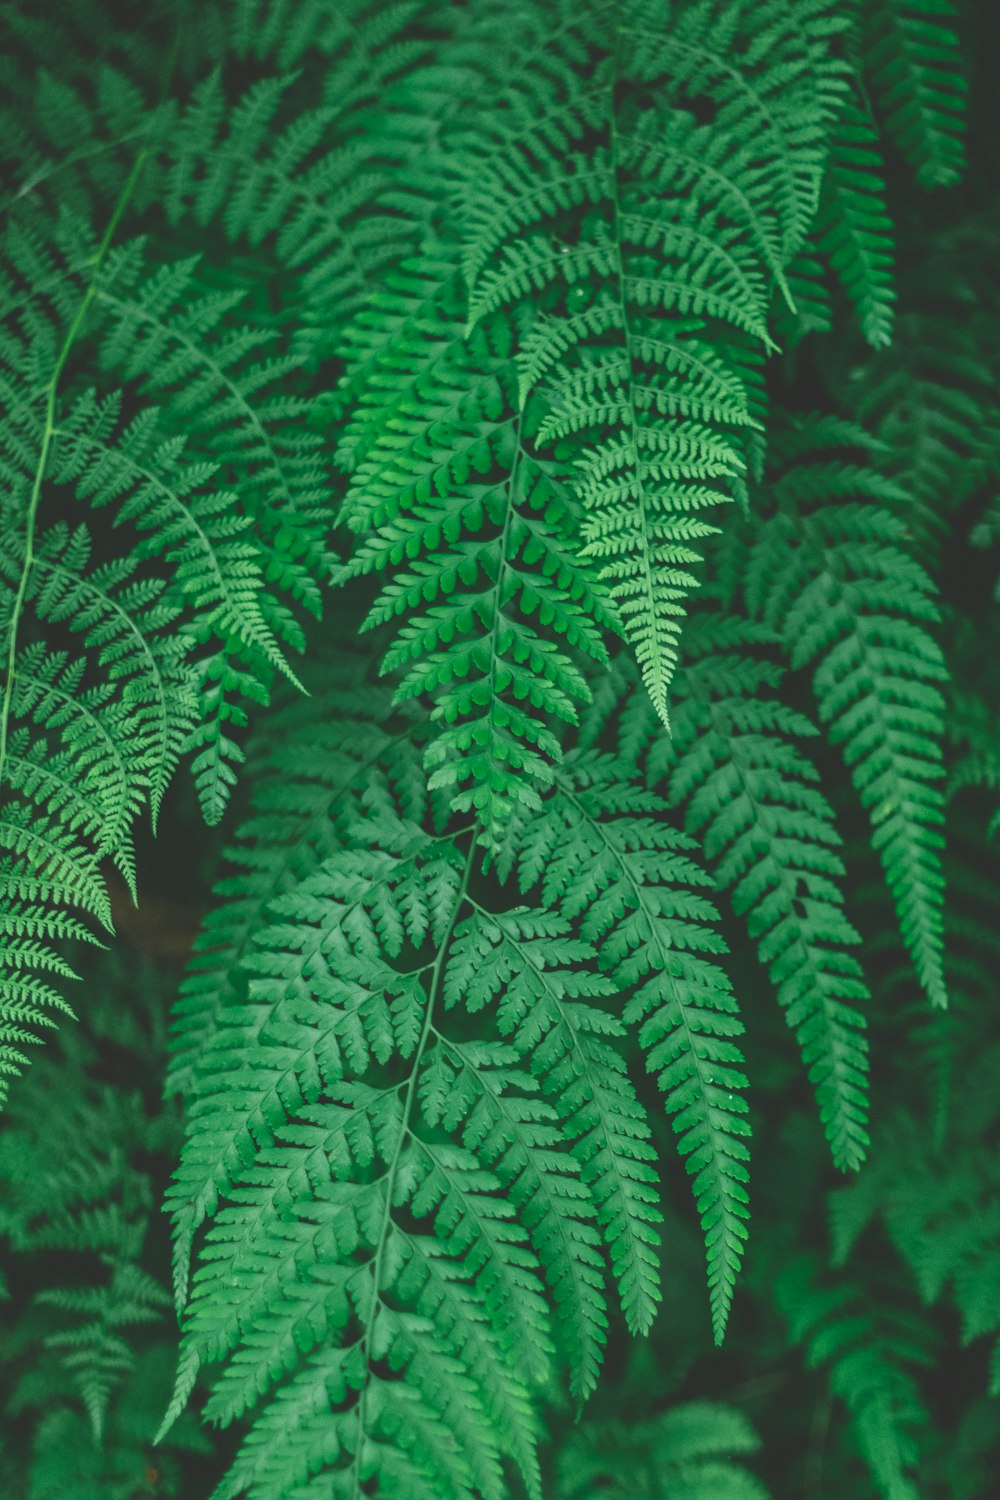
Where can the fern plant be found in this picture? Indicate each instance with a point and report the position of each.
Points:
(516, 412)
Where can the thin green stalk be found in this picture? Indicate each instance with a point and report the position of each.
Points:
(45, 448)
(433, 991)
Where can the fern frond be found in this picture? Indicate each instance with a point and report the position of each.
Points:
(171, 338)
(751, 798)
(687, 1451)
(912, 56)
(649, 256)
(934, 1191)
(295, 177)
(872, 1353)
(830, 573)
(603, 852)
(497, 610)
(80, 1191)
(853, 229)
(527, 960)
(470, 1167)
(333, 761)
(456, 1231)
(929, 397)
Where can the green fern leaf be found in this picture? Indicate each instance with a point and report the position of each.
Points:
(912, 55)
(872, 1352)
(602, 854)
(676, 232)
(854, 228)
(750, 796)
(689, 1448)
(835, 581)
(497, 609)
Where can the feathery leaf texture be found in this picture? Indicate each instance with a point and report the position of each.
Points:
(445, 478)
(409, 1252)
(82, 1195)
(874, 1353)
(751, 797)
(498, 289)
(854, 228)
(912, 56)
(601, 852)
(831, 574)
(691, 1449)
(128, 387)
(644, 261)
(329, 1044)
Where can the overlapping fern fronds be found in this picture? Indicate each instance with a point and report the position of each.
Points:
(169, 412)
(502, 1156)
(521, 297)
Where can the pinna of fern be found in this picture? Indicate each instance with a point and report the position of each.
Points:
(736, 764)
(833, 576)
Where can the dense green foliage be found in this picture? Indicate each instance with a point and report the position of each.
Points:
(567, 430)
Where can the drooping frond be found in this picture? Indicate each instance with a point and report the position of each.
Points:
(501, 1158)
(734, 762)
(142, 395)
(830, 573)
(604, 851)
(854, 228)
(913, 58)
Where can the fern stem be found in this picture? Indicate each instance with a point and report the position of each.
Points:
(48, 433)
(426, 1032)
(658, 699)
